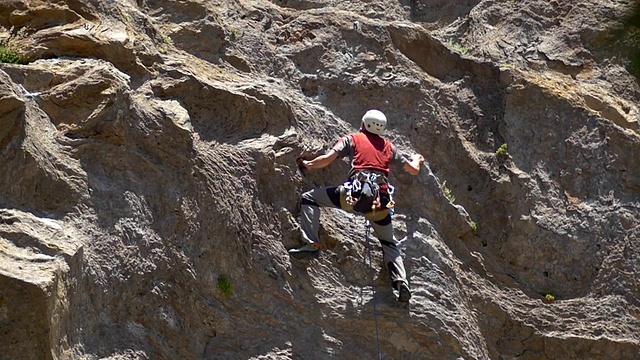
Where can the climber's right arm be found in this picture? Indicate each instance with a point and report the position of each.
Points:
(413, 166)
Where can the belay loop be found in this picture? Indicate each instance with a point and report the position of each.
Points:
(369, 192)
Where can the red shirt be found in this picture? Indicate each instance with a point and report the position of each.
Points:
(368, 152)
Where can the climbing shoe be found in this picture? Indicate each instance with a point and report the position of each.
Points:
(308, 248)
(404, 294)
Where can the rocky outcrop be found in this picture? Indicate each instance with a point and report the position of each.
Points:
(149, 186)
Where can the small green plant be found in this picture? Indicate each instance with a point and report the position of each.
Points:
(474, 227)
(9, 56)
(234, 32)
(502, 150)
(225, 286)
(447, 192)
(163, 48)
(549, 295)
(457, 47)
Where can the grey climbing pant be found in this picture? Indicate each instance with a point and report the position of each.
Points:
(310, 204)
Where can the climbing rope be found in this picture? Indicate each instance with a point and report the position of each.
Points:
(367, 227)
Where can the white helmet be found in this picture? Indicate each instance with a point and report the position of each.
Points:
(374, 122)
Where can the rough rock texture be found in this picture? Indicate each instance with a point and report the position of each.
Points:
(148, 153)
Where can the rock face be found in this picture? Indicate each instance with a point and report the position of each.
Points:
(149, 186)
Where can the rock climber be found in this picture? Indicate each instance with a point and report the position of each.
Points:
(366, 192)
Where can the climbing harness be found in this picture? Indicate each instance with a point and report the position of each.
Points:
(367, 232)
(369, 192)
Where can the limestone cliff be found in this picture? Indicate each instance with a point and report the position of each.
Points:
(149, 189)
